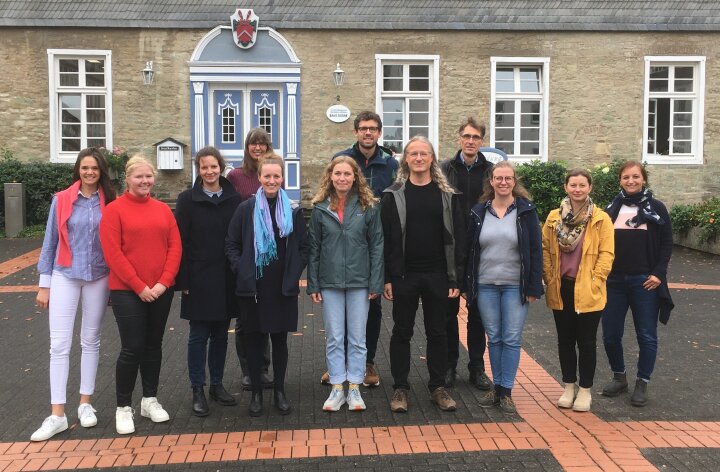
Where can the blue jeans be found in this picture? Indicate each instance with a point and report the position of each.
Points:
(503, 315)
(345, 313)
(198, 351)
(627, 291)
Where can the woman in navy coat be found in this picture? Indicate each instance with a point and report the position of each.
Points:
(203, 214)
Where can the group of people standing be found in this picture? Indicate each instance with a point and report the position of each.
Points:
(410, 231)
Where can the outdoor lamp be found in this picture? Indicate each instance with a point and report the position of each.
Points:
(339, 76)
(148, 73)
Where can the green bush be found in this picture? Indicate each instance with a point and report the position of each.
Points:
(545, 182)
(704, 215)
(41, 179)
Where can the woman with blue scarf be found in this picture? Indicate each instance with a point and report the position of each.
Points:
(643, 246)
(268, 249)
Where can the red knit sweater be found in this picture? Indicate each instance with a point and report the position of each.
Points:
(245, 184)
(141, 243)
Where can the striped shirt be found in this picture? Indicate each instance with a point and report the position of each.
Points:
(88, 262)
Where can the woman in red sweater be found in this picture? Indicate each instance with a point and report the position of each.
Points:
(142, 248)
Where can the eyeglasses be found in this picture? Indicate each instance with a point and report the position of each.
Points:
(474, 137)
(365, 129)
(422, 154)
(500, 178)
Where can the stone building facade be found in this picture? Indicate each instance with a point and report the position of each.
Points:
(579, 92)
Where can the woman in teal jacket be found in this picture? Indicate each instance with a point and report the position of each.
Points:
(345, 272)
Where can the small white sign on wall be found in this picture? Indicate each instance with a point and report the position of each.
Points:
(338, 113)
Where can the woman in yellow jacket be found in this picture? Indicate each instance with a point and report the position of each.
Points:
(578, 251)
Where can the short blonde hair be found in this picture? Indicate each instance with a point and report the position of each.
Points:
(138, 160)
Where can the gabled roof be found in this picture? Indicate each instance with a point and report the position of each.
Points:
(512, 15)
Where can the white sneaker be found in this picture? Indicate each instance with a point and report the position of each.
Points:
(150, 408)
(336, 399)
(86, 413)
(50, 427)
(354, 399)
(124, 423)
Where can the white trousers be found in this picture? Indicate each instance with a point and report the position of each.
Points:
(65, 294)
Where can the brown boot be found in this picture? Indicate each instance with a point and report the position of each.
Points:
(399, 401)
(442, 399)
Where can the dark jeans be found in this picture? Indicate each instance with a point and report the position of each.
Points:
(576, 329)
(407, 292)
(475, 335)
(199, 350)
(372, 328)
(255, 347)
(141, 326)
(627, 291)
(241, 351)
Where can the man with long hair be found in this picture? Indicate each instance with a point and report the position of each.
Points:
(424, 233)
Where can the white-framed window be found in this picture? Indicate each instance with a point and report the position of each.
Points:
(80, 99)
(519, 98)
(406, 94)
(673, 121)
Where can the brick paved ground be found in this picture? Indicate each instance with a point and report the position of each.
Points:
(678, 430)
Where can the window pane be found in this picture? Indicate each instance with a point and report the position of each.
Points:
(71, 145)
(682, 106)
(504, 73)
(419, 119)
(504, 106)
(530, 106)
(95, 80)
(504, 120)
(419, 85)
(419, 71)
(415, 131)
(392, 75)
(529, 120)
(95, 116)
(70, 131)
(504, 86)
(393, 70)
(504, 134)
(96, 131)
(682, 133)
(394, 146)
(70, 116)
(682, 147)
(529, 134)
(70, 101)
(97, 142)
(508, 147)
(684, 72)
(95, 65)
(392, 133)
(419, 105)
(393, 105)
(392, 85)
(682, 119)
(95, 101)
(683, 85)
(529, 148)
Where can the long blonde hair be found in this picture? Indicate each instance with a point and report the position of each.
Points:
(519, 191)
(366, 198)
(435, 172)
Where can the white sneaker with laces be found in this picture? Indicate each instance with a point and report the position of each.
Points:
(150, 408)
(354, 399)
(50, 427)
(86, 414)
(336, 399)
(124, 423)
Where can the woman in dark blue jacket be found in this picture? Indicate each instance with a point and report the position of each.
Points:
(504, 274)
(268, 249)
(203, 214)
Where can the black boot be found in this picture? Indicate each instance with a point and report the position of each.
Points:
(281, 402)
(200, 405)
(639, 396)
(220, 395)
(616, 386)
(480, 380)
(256, 404)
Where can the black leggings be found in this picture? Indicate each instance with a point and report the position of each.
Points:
(141, 326)
(255, 348)
(576, 329)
